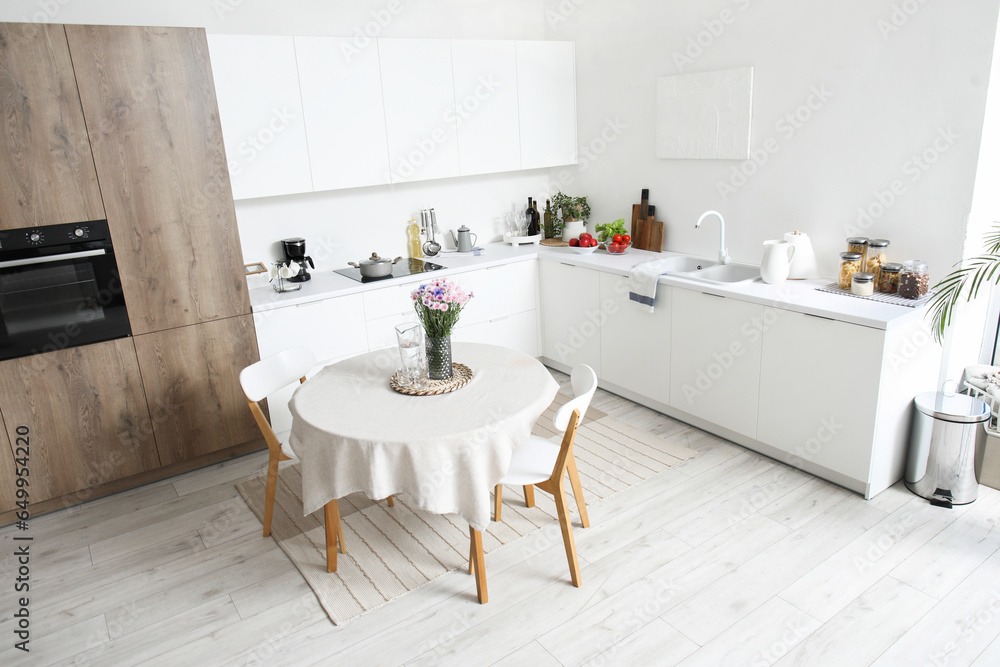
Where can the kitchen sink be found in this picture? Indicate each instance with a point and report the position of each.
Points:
(684, 263)
(725, 274)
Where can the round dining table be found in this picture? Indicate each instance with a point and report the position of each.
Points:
(353, 432)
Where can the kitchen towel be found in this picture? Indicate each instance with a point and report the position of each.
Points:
(642, 281)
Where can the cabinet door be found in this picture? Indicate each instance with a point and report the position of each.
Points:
(519, 332)
(635, 344)
(715, 359)
(571, 314)
(498, 291)
(47, 172)
(419, 94)
(345, 118)
(546, 93)
(191, 377)
(331, 328)
(486, 106)
(257, 85)
(819, 390)
(149, 102)
(8, 490)
(86, 415)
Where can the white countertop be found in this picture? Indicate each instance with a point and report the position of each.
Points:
(795, 295)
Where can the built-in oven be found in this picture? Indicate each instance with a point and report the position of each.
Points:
(59, 288)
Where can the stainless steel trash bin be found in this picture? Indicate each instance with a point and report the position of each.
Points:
(946, 447)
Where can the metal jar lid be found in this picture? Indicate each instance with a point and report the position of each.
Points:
(857, 240)
(957, 408)
(878, 243)
(863, 277)
(850, 256)
(892, 267)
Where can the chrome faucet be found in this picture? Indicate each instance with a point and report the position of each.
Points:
(723, 253)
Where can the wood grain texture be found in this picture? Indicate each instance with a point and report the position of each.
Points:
(7, 475)
(86, 414)
(149, 101)
(47, 173)
(191, 378)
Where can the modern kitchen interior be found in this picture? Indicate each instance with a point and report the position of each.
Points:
(301, 303)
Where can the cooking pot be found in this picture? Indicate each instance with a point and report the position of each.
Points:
(375, 266)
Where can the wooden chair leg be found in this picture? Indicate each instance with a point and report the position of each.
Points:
(391, 504)
(272, 485)
(472, 557)
(574, 481)
(529, 496)
(334, 534)
(497, 501)
(567, 533)
(480, 564)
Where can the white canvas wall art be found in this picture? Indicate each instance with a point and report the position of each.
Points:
(704, 116)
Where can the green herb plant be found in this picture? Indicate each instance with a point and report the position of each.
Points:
(608, 230)
(569, 208)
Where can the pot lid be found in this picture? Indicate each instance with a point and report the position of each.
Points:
(375, 259)
(463, 228)
(952, 407)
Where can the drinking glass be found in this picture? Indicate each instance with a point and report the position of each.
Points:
(410, 336)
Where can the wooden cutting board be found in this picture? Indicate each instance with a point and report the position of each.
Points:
(647, 233)
(637, 226)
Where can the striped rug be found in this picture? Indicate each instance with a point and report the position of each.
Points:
(391, 551)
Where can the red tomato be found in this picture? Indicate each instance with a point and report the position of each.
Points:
(626, 239)
(574, 242)
(613, 248)
(617, 238)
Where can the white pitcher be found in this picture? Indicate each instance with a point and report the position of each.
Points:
(777, 260)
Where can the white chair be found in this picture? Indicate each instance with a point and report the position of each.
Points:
(260, 380)
(542, 463)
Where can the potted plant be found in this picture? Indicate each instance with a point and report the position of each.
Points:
(572, 216)
(438, 304)
(968, 278)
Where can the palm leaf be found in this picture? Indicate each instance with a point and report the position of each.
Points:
(968, 279)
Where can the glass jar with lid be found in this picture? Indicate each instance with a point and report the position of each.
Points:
(850, 263)
(876, 257)
(863, 284)
(914, 279)
(888, 279)
(858, 244)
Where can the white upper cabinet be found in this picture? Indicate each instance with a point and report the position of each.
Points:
(419, 95)
(345, 123)
(546, 91)
(486, 106)
(256, 83)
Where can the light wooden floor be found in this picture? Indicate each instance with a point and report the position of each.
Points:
(730, 558)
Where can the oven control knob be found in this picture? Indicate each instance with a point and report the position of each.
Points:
(78, 232)
(35, 237)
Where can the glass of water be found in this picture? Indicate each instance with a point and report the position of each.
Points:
(410, 336)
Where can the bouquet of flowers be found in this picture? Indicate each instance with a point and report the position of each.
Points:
(438, 304)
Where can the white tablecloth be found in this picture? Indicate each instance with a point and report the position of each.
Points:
(352, 432)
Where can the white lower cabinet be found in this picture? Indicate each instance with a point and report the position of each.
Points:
(715, 359)
(518, 331)
(332, 329)
(635, 344)
(819, 387)
(571, 314)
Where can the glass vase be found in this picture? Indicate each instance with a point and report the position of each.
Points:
(438, 357)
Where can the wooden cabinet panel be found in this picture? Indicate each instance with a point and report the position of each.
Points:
(86, 413)
(8, 489)
(47, 172)
(191, 377)
(149, 101)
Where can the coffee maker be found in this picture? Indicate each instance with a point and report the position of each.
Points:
(295, 251)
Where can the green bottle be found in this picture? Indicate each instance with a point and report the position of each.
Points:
(547, 220)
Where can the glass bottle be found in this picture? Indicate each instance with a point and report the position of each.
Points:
(413, 239)
(532, 214)
(547, 218)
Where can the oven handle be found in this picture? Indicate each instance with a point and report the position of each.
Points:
(11, 263)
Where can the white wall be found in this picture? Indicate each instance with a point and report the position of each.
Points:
(340, 226)
(890, 96)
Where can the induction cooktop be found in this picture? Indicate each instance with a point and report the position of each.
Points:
(405, 267)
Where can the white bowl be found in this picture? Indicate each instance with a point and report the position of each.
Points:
(582, 250)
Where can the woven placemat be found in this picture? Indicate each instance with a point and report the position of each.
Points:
(554, 243)
(461, 375)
